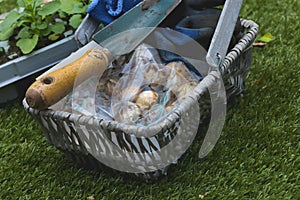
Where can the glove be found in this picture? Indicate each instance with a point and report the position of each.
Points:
(198, 20)
(188, 8)
(201, 27)
(199, 23)
(106, 11)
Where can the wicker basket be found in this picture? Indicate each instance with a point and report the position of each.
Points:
(73, 133)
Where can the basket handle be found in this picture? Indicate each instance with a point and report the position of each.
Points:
(243, 45)
(223, 33)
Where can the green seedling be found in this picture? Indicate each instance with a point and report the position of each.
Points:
(34, 20)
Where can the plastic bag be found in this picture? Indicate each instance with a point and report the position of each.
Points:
(149, 89)
(137, 89)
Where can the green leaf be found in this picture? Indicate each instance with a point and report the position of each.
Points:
(58, 27)
(79, 8)
(8, 25)
(21, 3)
(49, 8)
(37, 3)
(42, 26)
(268, 37)
(62, 14)
(22, 22)
(7, 33)
(10, 20)
(28, 44)
(46, 31)
(24, 33)
(75, 20)
(67, 6)
(53, 37)
(72, 6)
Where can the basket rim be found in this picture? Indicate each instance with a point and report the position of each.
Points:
(152, 129)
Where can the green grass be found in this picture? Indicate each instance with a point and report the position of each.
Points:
(257, 156)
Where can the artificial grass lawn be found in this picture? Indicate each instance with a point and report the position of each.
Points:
(257, 156)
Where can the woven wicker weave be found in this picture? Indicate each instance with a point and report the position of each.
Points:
(72, 133)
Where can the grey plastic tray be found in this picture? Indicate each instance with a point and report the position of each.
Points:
(21, 68)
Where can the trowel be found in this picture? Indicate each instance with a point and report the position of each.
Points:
(52, 87)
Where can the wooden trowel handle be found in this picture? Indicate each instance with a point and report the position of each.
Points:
(54, 86)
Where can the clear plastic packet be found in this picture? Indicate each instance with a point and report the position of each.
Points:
(137, 89)
(149, 89)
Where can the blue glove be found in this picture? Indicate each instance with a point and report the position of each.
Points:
(201, 27)
(198, 19)
(106, 11)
